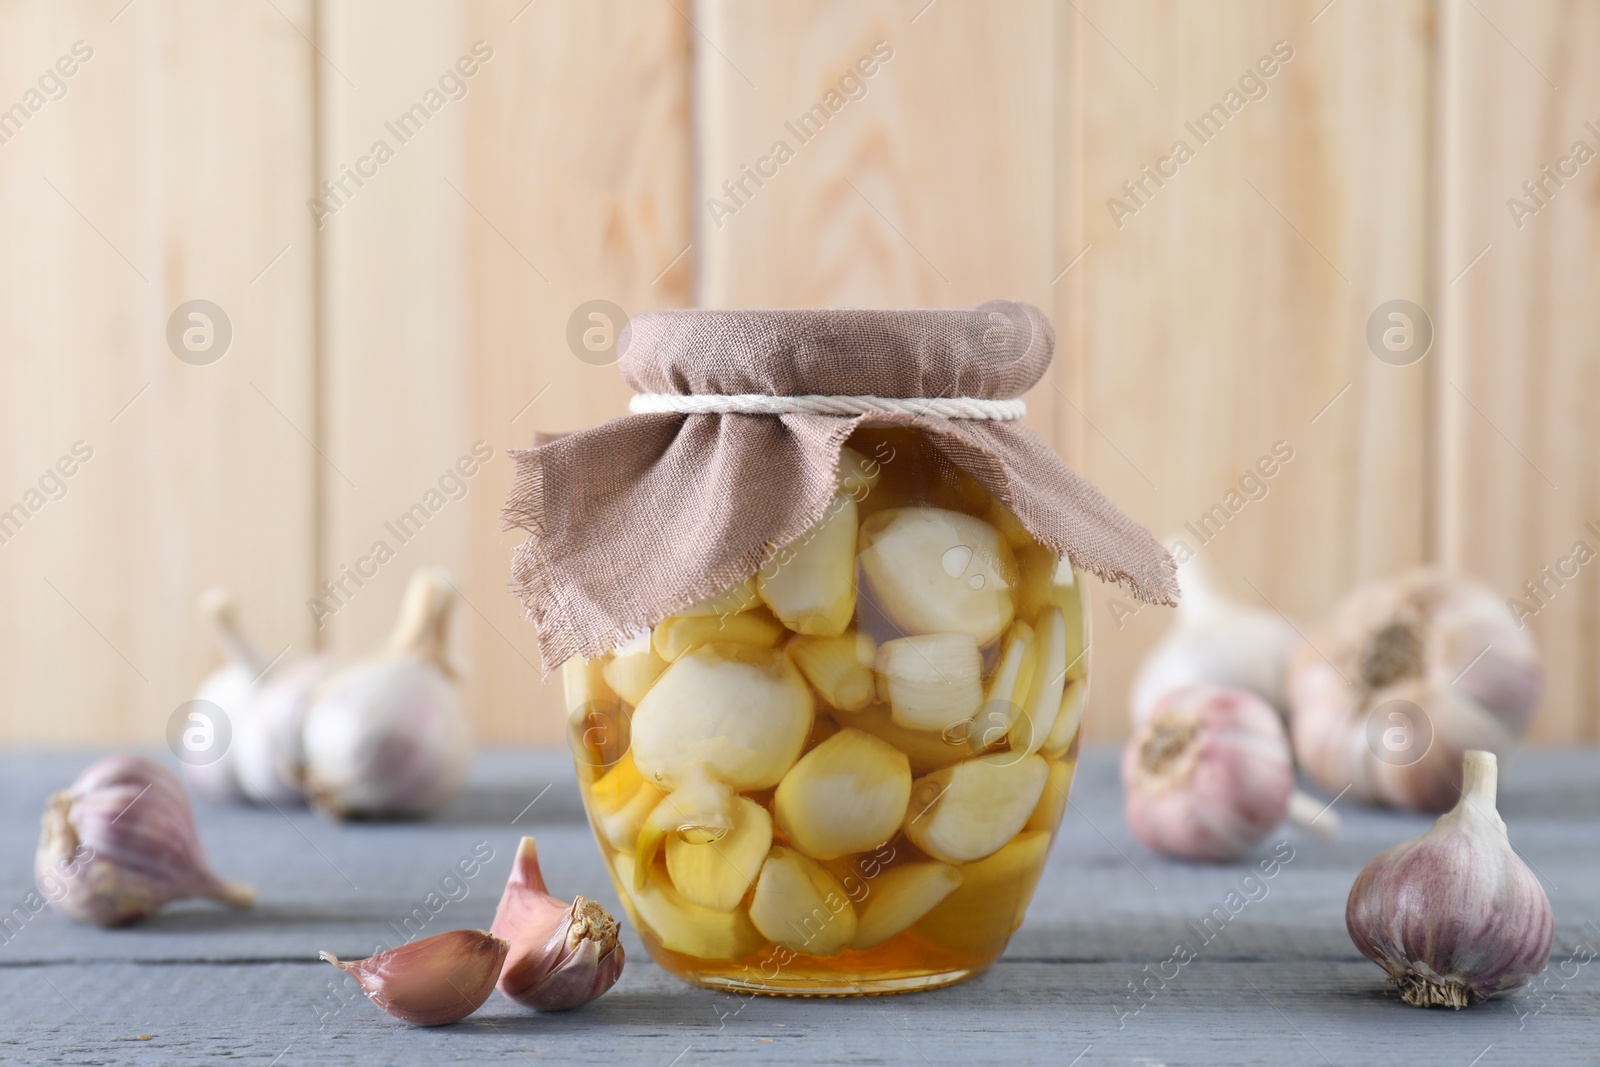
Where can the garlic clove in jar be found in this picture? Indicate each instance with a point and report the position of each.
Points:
(1409, 675)
(839, 668)
(1037, 715)
(931, 681)
(927, 750)
(269, 742)
(389, 738)
(633, 669)
(437, 980)
(120, 842)
(682, 926)
(718, 873)
(622, 800)
(562, 955)
(849, 794)
(233, 687)
(1068, 718)
(700, 810)
(937, 571)
(1053, 801)
(992, 899)
(966, 812)
(1214, 640)
(1208, 774)
(730, 601)
(1454, 916)
(800, 904)
(677, 635)
(1006, 690)
(810, 585)
(858, 476)
(739, 712)
(900, 896)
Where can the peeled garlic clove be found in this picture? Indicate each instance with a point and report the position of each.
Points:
(677, 635)
(932, 681)
(632, 670)
(992, 899)
(622, 800)
(1068, 719)
(268, 743)
(858, 475)
(1053, 801)
(928, 751)
(730, 601)
(840, 668)
(1454, 916)
(810, 585)
(799, 904)
(969, 811)
(900, 896)
(718, 873)
(681, 926)
(1048, 581)
(1218, 642)
(1417, 671)
(739, 713)
(437, 980)
(700, 811)
(121, 842)
(1037, 716)
(1207, 775)
(1006, 690)
(233, 687)
(389, 738)
(561, 955)
(937, 571)
(849, 794)
(596, 718)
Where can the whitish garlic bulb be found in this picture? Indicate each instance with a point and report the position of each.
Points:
(233, 687)
(121, 842)
(1215, 640)
(1207, 774)
(269, 742)
(388, 738)
(1454, 916)
(1409, 675)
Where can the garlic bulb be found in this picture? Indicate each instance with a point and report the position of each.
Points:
(1207, 774)
(268, 743)
(1454, 916)
(437, 980)
(233, 688)
(121, 842)
(1214, 640)
(1417, 671)
(562, 955)
(388, 738)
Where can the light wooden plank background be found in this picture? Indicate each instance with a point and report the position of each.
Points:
(428, 312)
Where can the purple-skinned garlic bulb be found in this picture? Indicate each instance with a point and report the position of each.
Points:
(121, 842)
(1454, 916)
(1207, 774)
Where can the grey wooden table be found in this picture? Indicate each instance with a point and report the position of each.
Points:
(1279, 982)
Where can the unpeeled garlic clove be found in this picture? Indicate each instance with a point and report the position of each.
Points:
(677, 635)
(1208, 774)
(437, 980)
(1409, 675)
(799, 904)
(810, 585)
(680, 925)
(849, 794)
(966, 812)
(931, 681)
(233, 687)
(121, 842)
(561, 955)
(937, 571)
(388, 738)
(900, 896)
(718, 873)
(1454, 916)
(839, 668)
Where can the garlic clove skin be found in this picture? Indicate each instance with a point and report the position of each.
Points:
(1208, 774)
(233, 687)
(431, 982)
(1454, 916)
(388, 739)
(121, 842)
(561, 956)
(269, 742)
(1219, 642)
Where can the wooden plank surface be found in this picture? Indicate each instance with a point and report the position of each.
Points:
(170, 165)
(1226, 306)
(1280, 982)
(1518, 372)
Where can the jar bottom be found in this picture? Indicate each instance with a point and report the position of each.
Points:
(816, 986)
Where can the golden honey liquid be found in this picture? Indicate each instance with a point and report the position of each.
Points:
(967, 930)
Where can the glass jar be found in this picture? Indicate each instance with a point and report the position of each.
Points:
(843, 775)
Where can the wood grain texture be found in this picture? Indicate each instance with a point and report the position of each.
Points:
(1519, 375)
(1226, 306)
(172, 166)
